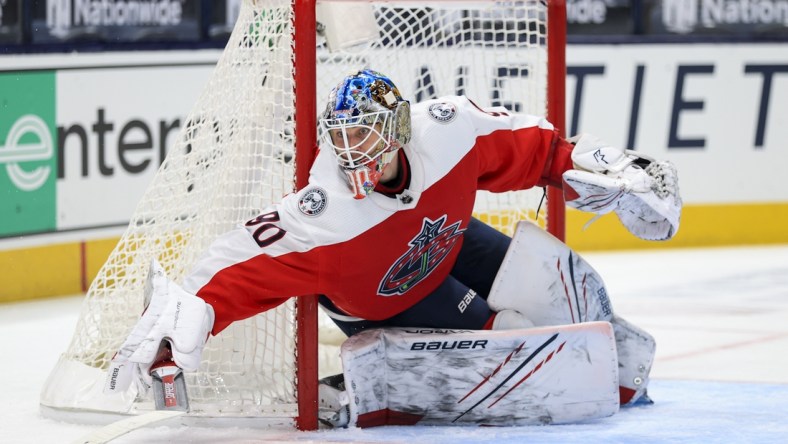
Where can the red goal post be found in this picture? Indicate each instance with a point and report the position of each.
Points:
(251, 137)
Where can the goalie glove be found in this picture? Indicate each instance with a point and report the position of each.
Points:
(643, 192)
(172, 315)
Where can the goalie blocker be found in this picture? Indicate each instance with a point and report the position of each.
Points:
(404, 376)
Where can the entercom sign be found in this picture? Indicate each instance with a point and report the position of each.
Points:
(78, 147)
(16, 151)
(27, 182)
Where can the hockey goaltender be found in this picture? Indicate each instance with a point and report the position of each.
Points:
(449, 321)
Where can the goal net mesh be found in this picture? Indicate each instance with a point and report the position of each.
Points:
(235, 156)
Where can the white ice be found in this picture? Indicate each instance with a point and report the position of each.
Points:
(720, 317)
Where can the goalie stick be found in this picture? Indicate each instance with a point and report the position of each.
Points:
(124, 426)
(169, 394)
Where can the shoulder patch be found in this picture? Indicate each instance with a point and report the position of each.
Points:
(443, 112)
(313, 201)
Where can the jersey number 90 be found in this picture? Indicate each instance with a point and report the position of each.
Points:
(268, 232)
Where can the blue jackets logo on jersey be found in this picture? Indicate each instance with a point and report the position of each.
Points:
(428, 249)
(443, 112)
(313, 202)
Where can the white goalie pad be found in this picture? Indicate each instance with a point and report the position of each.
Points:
(549, 284)
(551, 375)
(546, 281)
(636, 350)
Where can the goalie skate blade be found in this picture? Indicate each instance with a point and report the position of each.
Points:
(124, 426)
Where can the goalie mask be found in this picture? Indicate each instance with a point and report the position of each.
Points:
(365, 122)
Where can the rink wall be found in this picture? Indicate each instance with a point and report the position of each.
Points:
(82, 135)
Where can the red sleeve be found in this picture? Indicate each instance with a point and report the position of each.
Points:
(517, 151)
(559, 160)
(265, 261)
(258, 285)
(522, 158)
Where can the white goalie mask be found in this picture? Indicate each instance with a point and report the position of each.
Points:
(365, 122)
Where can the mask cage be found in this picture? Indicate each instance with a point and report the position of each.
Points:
(350, 156)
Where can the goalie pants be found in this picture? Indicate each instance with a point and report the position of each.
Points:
(460, 302)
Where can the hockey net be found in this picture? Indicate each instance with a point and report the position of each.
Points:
(235, 155)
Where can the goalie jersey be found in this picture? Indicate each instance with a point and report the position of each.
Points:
(375, 257)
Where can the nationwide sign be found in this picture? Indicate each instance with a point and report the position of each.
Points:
(724, 16)
(115, 20)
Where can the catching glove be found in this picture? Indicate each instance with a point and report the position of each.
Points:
(643, 192)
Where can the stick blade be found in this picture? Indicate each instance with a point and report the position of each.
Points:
(124, 426)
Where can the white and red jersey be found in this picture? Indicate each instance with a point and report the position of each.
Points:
(378, 256)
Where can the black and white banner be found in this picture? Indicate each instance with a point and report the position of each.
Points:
(76, 21)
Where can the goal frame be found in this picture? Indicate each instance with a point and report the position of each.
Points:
(252, 137)
(305, 122)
